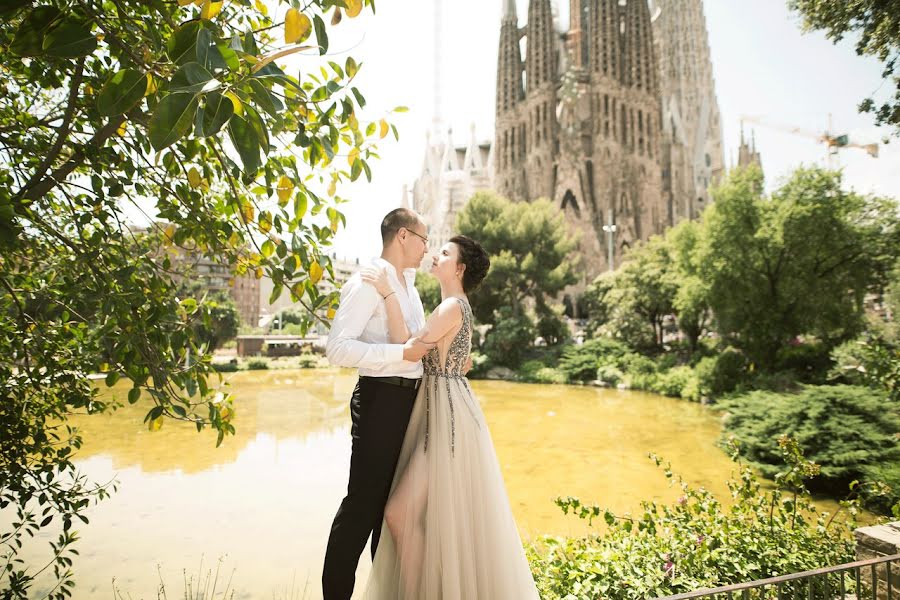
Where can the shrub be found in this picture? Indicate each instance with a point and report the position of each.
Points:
(810, 362)
(674, 381)
(481, 364)
(308, 361)
(721, 374)
(696, 542)
(580, 363)
(872, 361)
(550, 375)
(844, 429)
(509, 338)
(229, 367)
(610, 374)
(257, 364)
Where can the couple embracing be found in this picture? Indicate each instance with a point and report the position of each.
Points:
(424, 478)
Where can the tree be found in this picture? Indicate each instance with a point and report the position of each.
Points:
(177, 110)
(429, 290)
(643, 287)
(220, 323)
(877, 23)
(796, 263)
(691, 303)
(531, 253)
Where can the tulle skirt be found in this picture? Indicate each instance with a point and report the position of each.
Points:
(449, 533)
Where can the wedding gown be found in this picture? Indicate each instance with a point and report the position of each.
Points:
(448, 512)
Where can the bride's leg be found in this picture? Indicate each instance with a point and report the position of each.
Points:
(405, 517)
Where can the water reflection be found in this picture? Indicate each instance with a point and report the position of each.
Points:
(265, 499)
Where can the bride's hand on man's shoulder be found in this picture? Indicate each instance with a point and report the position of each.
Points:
(378, 279)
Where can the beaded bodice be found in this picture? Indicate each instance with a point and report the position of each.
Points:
(458, 351)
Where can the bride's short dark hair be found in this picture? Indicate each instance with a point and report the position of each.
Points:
(476, 259)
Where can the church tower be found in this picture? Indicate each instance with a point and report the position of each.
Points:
(692, 131)
(537, 134)
(509, 144)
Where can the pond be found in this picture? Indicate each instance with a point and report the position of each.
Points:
(259, 507)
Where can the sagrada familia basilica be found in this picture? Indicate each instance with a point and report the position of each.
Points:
(615, 120)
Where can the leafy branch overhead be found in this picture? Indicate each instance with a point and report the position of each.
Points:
(225, 129)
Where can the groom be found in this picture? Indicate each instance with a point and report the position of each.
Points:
(389, 377)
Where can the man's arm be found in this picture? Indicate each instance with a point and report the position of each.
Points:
(344, 349)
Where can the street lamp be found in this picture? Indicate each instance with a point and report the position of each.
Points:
(610, 230)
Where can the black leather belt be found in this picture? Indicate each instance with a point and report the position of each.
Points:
(401, 381)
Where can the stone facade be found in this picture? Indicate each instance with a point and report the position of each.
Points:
(450, 175)
(581, 120)
(693, 156)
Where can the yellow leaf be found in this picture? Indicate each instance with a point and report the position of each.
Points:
(122, 128)
(194, 178)
(88, 90)
(285, 189)
(336, 17)
(210, 8)
(297, 289)
(247, 212)
(384, 128)
(169, 233)
(354, 7)
(155, 424)
(351, 158)
(261, 7)
(184, 2)
(331, 312)
(332, 188)
(297, 26)
(353, 122)
(315, 272)
(151, 85)
(198, 2)
(259, 272)
(238, 105)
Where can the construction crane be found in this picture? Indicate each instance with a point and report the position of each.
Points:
(832, 142)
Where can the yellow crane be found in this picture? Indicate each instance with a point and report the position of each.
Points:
(832, 142)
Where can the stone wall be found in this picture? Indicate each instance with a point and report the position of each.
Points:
(876, 541)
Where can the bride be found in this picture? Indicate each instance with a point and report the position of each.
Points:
(453, 536)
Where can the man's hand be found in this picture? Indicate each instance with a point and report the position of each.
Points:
(414, 349)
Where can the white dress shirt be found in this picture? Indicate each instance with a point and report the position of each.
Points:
(359, 335)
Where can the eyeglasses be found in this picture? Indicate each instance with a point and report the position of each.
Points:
(422, 237)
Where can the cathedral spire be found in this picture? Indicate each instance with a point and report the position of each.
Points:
(540, 60)
(509, 11)
(605, 38)
(509, 61)
(640, 68)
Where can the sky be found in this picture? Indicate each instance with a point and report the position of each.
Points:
(763, 65)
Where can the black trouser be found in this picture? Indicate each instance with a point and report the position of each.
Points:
(380, 413)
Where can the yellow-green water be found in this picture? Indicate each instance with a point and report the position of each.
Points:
(264, 500)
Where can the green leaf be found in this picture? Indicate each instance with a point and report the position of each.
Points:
(192, 77)
(13, 5)
(182, 44)
(359, 97)
(259, 127)
(134, 395)
(29, 38)
(351, 67)
(300, 203)
(69, 39)
(227, 56)
(122, 92)
(268, 248)
(204, 41)
(321, 34)
(217, 111)
(320, 94)
(401, 109)
(249, 44)
(245, 141)
(172, 119)
(111, 378)
(265, 99)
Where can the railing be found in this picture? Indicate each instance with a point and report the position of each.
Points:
(875, 578)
